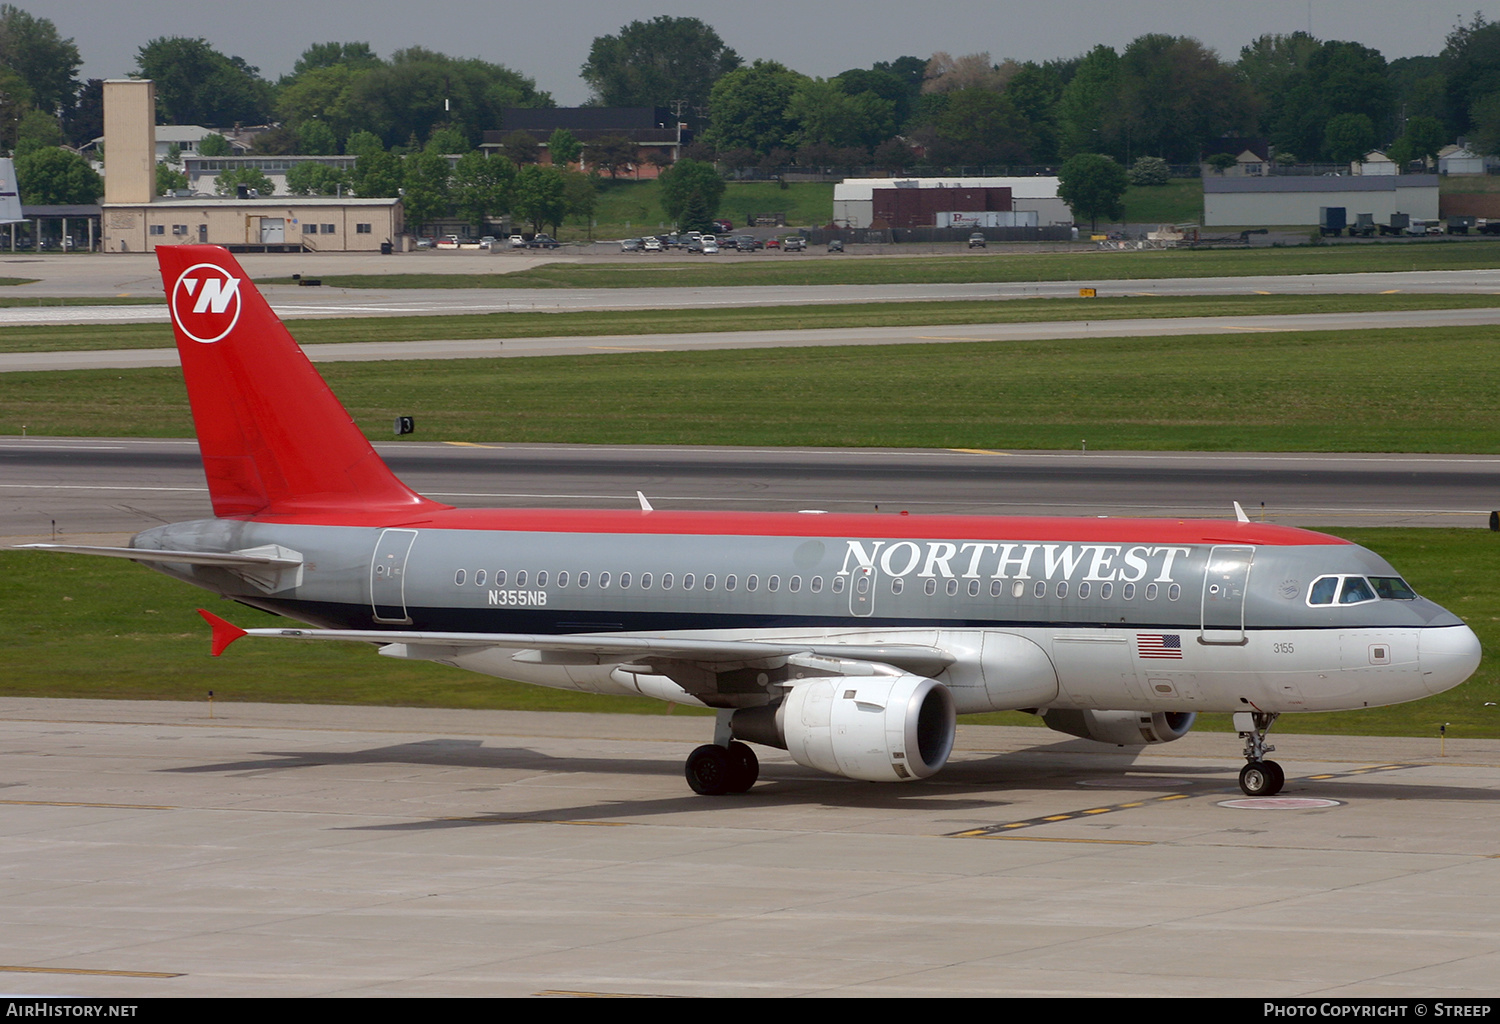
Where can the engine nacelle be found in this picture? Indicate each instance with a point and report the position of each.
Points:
(876, 728)
(1122, 728)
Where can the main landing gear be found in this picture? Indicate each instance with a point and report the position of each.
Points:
(1259, 777)
(723, 766)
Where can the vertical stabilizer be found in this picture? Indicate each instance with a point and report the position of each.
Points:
(275, 440)
(10, 193)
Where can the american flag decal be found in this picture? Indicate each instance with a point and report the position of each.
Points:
(1158, 645)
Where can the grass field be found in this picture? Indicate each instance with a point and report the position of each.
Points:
(100, 628)
(1008, 265)
(1388, 390)
(457, 327)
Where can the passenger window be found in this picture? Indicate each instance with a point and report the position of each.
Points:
(1174, 592)
(1128, 591)
(1017, 589)
(930, 587)
(837, 586)
(793, 583)
(541, 578)
(1062, 588)
(1083, 590)
(688, 579)
(730, 582)
(458, 577)
(952, 588)
(479, 578)
(603, 580)
(1040, 590)
(897, 584)
(708, 581)
(624, 581)
(583, 578)
(1323, 590)
(752, 582)
(1106, 591)
(521, 578)
(1151, 591)
(773, 583)
(973, 588)
(562, 578)
(1356, 589)
(666, 581)
(499, 577)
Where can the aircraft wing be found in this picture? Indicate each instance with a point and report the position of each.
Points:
(915, 658)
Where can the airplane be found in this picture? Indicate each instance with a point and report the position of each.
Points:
(852, 641)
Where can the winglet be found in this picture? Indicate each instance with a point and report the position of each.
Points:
(1239, 513)
(645, 505)
(225, 633)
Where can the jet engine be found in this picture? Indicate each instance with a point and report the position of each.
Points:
(894, 728)
(1122, 728)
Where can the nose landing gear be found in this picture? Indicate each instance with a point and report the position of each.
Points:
(1259, 777)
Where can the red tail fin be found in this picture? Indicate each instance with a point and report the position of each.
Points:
(274, 439)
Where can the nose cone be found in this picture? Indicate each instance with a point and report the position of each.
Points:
(1448, 656)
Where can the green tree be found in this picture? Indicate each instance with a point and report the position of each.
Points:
(978, 126)
(1423, 137)
(169, 179)
(446, 140)
(679, 184)
(1093, 186)
(564, 148)
(57, 177)
(824, 113)
(1150, 171)
(521, 148)
(47, 63)
(315, 138)
(420, 89)
(1471, 68)
(196, 84)
(612, 154)
(581, 197)
(482, 186)
(328, 55)
(229, 183)
(1082, 110)
(425, 187)
(747, 107)
(1173, 95)
(540, 195)
(311, 178)
(37, 130)
(654, 63)
(214, 144)
(377, 173)
(1348, 137)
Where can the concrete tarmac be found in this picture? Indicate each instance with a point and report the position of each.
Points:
(152, 849)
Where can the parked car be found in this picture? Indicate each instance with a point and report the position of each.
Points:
(517, 242)
(837, 245)
(651, 244)
(747, 243)
(487, 242)
(795, 243)
(448, 242)
(773, 243)
(631, 244)
(425, 243)
(710, 247)
(976, 240)
(543, 242)
(723, 226)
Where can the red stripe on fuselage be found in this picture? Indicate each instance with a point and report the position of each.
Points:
(790, 524)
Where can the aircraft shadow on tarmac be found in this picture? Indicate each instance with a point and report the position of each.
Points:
(969, 784)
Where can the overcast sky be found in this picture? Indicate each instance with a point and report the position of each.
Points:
(548, 40)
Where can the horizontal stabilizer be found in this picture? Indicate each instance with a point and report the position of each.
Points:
(179, 557)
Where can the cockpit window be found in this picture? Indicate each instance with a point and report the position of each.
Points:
(1356, 589)
(1393, 588)
(1323, 590)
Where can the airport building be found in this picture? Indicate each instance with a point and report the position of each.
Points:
(1278, 200)
(135, 219)
(1032, 202)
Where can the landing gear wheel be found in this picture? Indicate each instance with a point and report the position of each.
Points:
(744, 767)
(1262, 778)
(710, 770)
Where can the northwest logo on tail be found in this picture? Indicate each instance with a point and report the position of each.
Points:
(206, 302)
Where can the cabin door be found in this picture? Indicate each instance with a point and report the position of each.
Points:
(1226, 579)
(388, 576)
